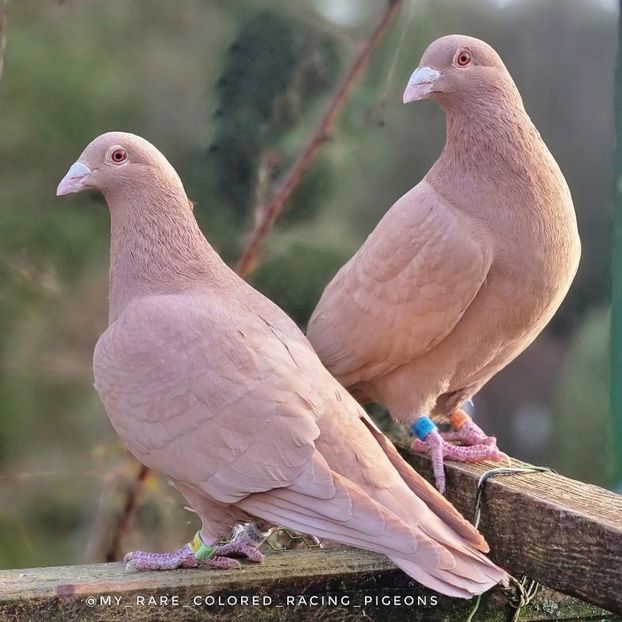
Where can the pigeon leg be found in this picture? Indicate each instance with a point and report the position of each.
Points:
(430, 441)
(181, 558)
(253, 534)
(466, 431)
(194, 555)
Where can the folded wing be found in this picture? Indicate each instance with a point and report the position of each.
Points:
(403, 291)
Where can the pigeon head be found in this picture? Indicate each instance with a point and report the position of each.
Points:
(115, 160)
(458, 68)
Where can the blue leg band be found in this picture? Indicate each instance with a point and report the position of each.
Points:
(422, 427)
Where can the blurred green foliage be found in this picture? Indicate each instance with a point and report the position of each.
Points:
(583, 447)
(250, 78)
(275, 67)
(295, 278)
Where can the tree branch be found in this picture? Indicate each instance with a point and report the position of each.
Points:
(270, 212)
(129, 510)
(267, 217)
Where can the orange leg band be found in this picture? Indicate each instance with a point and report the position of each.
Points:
(458, 418)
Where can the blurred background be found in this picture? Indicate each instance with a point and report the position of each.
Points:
(230, 92)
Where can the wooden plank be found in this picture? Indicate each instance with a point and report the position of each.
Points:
(107, 592)
(565, 534)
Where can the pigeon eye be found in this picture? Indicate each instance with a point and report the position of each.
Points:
(119, 155)
(463, 58)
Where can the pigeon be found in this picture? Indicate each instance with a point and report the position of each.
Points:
(464, 271)
(206, 380)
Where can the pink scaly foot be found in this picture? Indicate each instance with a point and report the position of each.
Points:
(239, 549)
(466, 431)
(431, 442)
(193, 556)
(181, 558)
(253, 534)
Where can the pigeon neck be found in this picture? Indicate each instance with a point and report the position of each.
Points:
(495, 156)
(490, 130)
(491, 143)
(156, 247)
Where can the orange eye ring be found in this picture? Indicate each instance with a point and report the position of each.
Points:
(463, 58)
(118, 155)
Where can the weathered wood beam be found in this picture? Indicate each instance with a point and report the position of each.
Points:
(353, 579)
(565, 534)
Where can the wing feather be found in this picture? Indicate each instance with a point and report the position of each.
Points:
(402, 292)
(194, 398)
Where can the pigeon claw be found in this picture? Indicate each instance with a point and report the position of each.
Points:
(469, 434)
(238, 549)
(439, 449)
(222, 559)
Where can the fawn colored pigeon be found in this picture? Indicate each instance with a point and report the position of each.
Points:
(464, 271)
(211, 383)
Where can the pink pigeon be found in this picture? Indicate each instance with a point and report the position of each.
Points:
(464, 271)
(206, 380)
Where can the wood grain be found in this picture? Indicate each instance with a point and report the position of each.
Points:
(348, 576)
(565, 534)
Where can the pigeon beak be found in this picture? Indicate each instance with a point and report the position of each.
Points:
(74, 180)
(421, 84)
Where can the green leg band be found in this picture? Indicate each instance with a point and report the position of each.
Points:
(200, 549)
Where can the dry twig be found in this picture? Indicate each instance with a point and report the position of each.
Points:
(125, 521)
(270, 212)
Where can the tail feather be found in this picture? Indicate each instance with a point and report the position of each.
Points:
(451, 584)
(369, 525)
(451, 567)
(425, 491)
